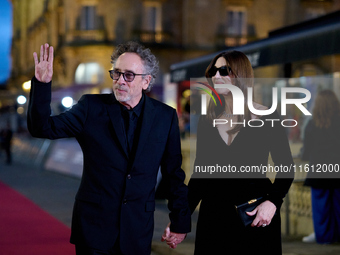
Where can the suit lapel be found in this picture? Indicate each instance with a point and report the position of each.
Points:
(114, 112)
(147, 121)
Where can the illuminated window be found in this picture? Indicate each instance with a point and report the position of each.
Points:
(89, 73)
(312, 13)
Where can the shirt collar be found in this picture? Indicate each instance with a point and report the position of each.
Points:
(138, 108)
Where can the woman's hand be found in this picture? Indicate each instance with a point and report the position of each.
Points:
(172, 239)
(264, 214)
(44, 68)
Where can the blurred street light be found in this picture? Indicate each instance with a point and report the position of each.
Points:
(67, 102)
(21, 99)
(20, 110)
(26, 86)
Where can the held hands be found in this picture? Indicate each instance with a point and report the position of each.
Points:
(44, 68)
(172, 239)
(264, 214)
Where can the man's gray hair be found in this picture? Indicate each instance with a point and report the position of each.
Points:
(149, 60)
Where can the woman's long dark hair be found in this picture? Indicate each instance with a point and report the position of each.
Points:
(326, 107)
(244, 78)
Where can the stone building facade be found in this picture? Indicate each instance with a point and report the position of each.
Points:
(84, 32)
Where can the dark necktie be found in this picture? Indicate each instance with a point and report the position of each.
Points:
(131, 127)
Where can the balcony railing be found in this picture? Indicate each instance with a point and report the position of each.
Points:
(86, 35)
(152, 36)
(223, 41)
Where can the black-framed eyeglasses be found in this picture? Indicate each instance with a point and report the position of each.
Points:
(224, 71)
(128, 76)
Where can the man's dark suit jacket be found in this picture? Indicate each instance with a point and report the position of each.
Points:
(116, 197)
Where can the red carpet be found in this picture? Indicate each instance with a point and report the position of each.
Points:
(25, 229)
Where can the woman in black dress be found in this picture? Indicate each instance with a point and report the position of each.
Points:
(219, 228)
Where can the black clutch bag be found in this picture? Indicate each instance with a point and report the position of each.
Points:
(248, 207)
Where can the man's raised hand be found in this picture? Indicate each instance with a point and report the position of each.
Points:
(44, 68)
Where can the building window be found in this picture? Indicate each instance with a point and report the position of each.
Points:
(152, 22)
(312, 13)
(87, 17)
(236, 22)
(152, 16)
(316, 8)
(236, 26)
(89, 73)
(46, 5)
